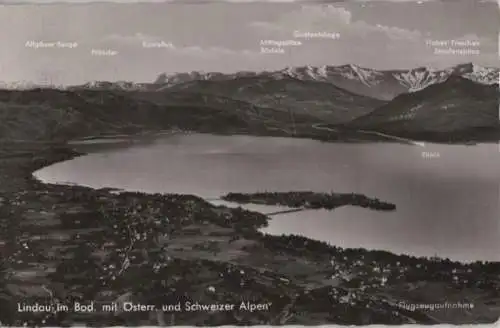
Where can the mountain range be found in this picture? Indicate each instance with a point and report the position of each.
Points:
(418, 103)
(379, 84)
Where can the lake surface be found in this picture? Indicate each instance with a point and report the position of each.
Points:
(448, 204)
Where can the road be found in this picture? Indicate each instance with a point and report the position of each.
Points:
(285, 211)
(318, 126)
(418, 143)
(413, 142)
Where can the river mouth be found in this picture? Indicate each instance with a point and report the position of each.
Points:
(446, 206)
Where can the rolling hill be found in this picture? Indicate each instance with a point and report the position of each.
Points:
(312, 98)
(455, 106)
(53, 114)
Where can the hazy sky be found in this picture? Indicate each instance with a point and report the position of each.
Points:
(225, 37)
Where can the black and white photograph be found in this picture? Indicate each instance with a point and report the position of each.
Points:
(210, 163)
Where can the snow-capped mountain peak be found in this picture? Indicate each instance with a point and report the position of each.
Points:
(118, 85)
(420, 78)
(323, 71)
(368, 77)
(165, 78)
(480, 74)
(25, 85)
(310, 73)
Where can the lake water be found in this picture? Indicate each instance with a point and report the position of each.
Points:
(448, 204)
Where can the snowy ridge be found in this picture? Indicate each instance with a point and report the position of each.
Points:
(176, 78)
(323, 71)
(421, 78)
(368, 77)
(484, 75)
(303, 73)
(355, 76)
(119, 85)
(412, 79)
(182, 77)
(21, 85)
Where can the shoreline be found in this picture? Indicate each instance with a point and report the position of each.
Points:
(76, 154)
(72, 154)
(82, 233)
(68, 154)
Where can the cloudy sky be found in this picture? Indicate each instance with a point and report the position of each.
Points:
(225, 37)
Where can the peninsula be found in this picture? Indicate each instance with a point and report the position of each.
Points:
(309, 200)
